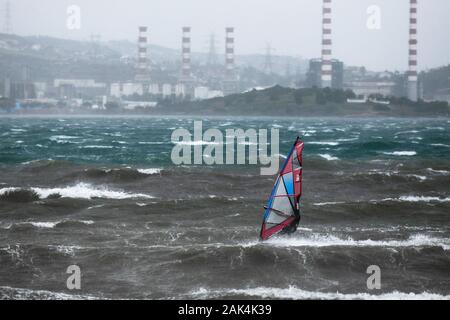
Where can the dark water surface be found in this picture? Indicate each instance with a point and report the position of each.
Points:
(103, 194)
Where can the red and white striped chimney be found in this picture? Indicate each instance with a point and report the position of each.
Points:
(327, 67)
(412, 73)
(229, 51)
(143, 67)
(186, 53)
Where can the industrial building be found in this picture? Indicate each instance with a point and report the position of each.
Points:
(314, 75)
(367, 88)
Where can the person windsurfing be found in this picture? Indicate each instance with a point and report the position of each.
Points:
(282, 213)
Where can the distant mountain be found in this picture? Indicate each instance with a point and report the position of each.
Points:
(55, 48)
(44, 58)
(158, 54)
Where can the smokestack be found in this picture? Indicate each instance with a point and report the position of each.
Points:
(327, 67)
(143, 66)
(412, 73)
(229, 51)
(186, 53)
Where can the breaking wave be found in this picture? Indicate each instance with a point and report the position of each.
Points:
(29, 294)
(297, 293)
(328, 157)
(324, 143)
(80, 191)
(320, 204)
(149, 171)
(418, 199)
(418, 240)
(443, 172)
(401, 153)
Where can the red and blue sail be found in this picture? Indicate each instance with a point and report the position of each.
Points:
(282, 213)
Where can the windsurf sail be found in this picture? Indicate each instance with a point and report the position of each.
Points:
(282, 213)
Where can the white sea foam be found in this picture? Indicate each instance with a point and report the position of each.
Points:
(152, 142)
(406, 132)
(87, 191)
(150, 171)
(295, 293)
(95, 207)
(196, 143)
(418, 177)
(88, 222)
(436, 128)
(383, 173)
(418, 199)
(82, 191)
(443, 172)
(6, 190)
(320, 204)
(27, 294)
(318, 240)
(67, 250)
(440, 145)
(324, 143)
(328, 157)
(401, 153)
(45, 225)
(141, 204)
(62, 138)
(48, 224)
(97, 147)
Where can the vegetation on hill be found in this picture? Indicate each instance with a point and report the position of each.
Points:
(435, 79)
(280, 101)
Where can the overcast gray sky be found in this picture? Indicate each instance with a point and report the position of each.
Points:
(291, 26)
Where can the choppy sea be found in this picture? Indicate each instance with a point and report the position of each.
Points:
(103, 194)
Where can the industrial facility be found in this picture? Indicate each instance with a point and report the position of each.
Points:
(194, 76)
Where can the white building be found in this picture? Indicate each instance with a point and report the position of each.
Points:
(166, 90)
(131, 105)
(154, 89)
(180, 90)
(119, 90)
(201, 93)
(41, 89)
(366, 88)
(215, 94)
